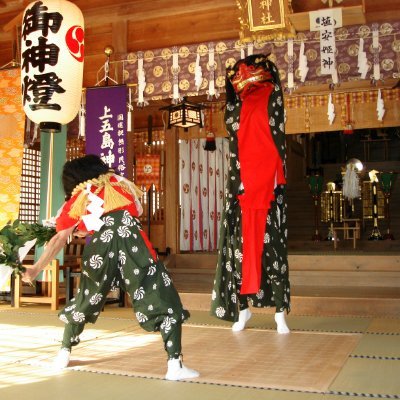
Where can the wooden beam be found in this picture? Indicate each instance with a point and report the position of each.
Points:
(120, 37)
(156, 9)
(16, 21)
(351, 16)
(166, 32)
(345, 87)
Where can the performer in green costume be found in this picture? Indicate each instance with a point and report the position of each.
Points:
(252, 258)
(105, 206)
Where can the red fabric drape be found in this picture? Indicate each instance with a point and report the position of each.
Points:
(261, 170)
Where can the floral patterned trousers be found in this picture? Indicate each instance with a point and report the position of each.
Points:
(121, 255)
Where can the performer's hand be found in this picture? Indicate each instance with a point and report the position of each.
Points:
(30, 274)
(81, 234)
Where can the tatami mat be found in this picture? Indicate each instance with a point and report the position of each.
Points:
(378, 378)
(18, 380)
(385, 325)
(255, 358)
(295, 322)
(378, 346)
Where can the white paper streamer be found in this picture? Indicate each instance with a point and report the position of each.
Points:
(380, 106)
(198, 76)
(212, 92)
(250, 49)
(130, 110)
(242, 53)
(290, 47)
(92, 221)
(141, 80)
(331, 110)
(375, 46)
(211, 83)
(351, 185)
(335, 78)
(175, 71)
(362, 60)
(303, 68)
(82, 118)
(290, 64)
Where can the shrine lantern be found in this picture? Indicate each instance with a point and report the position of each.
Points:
(52, 51)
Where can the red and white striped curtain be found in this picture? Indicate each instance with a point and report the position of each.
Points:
(203, 176)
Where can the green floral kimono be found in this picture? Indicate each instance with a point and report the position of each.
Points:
(118, 255)
(275, 288)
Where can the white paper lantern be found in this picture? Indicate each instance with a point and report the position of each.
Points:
(52, 51)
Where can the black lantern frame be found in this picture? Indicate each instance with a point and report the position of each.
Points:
(184, 114)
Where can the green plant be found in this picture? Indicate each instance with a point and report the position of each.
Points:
(14, 235)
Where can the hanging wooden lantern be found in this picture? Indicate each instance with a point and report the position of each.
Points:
(265, 20)
(348, 128)
(184, 114)
(52, 51)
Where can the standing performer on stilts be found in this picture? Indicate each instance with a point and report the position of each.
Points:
(106, 206)
(252, 258)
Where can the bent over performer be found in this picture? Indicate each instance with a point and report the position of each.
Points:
(252, 258)
(106, 206)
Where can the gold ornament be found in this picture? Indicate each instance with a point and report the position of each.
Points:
(109, 50)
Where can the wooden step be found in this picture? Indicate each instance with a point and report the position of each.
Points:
(316, 305)
(321, 284)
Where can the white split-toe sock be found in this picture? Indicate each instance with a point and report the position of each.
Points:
(62, 359)
(177, 371)
(281, 325)
(244, 316)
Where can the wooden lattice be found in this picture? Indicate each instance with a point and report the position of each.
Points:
(30, 186)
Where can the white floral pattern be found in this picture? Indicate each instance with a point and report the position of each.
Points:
(220, 312)
(124, 231)
(152, 270)
(96, 261)
(127, 219)
(141, 317)
(167, 324)
(238, 255)
(139, 294)
(63, 318)
(107, 236)
(166, 278)
(78, 317)
(96, 298)
(108, 221)
(122, 257)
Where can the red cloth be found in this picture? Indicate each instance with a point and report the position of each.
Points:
(261, 169)
(64, 221)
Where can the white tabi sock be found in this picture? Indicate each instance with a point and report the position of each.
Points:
(62, 359)
(244, 316)
(281, 325)
(177, 371)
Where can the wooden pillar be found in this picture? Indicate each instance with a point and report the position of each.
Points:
(53, 155)
(171, 190)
